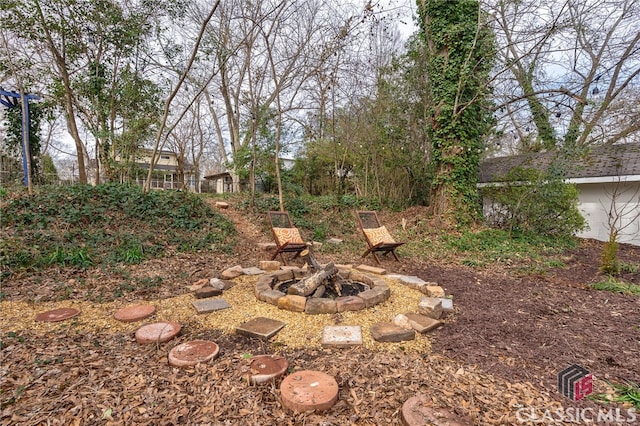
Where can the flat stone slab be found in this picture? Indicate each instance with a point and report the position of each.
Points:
(210, 305)
(417, 412)
(134, 313)
(159, 332)
(207, 291)
(389, 332)
(260, 327)
(447, 305)
(309, 390)
(342, 336)
(56, 315)
(409, 280)
(227, 284)
(222, 205)
(371, 269)
(194, 352)
(265, 368)
(422, 323)
(252, 271)
(231, 273)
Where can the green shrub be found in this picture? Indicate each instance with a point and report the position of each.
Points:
(609, 263)
(533, 201)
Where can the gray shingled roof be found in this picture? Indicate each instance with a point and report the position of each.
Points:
(601, 161)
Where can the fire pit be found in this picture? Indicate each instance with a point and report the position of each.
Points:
(321, 289)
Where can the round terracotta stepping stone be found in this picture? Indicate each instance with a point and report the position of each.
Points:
(134, 313)
(158, 332)
(309, 390)
(267, 367)
(417, 412)
(192, 353)
(59, 314)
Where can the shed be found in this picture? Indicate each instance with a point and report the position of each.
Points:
(222, 182)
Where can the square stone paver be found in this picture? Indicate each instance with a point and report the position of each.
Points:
(260, 327)
(389, 332)
(342, 336)
(209, 305)
(447, 305)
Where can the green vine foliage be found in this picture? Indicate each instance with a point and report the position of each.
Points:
(12, 144)
(460, 52)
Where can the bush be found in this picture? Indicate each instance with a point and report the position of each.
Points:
(530, 200)
(610, 265)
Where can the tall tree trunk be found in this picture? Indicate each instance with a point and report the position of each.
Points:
(72, 126)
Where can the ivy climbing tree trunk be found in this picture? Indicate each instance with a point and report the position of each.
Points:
(460, 51)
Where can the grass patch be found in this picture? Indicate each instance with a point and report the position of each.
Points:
(623, 393)
(616, 286)
(486, 246)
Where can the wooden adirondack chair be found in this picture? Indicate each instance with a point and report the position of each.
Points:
(286, 235)
(378, 238)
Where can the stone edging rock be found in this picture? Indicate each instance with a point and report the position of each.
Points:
(379, 292)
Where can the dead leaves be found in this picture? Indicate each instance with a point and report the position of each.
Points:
(114, 383)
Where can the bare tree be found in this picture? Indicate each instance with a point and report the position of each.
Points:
(566, 67)
(623, 220)
(160, 135)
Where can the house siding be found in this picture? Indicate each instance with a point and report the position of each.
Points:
(595, 204)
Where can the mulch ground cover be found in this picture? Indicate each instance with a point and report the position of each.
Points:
(500, 351)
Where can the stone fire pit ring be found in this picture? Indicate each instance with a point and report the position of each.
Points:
(378, 292)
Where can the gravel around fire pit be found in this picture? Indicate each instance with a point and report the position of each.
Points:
(301, 331)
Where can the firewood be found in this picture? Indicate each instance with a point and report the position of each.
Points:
(308, 285)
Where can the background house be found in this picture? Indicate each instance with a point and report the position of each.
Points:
(166, 173)
(602, 174)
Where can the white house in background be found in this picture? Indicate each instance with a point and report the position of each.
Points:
(603, 171)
